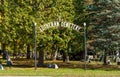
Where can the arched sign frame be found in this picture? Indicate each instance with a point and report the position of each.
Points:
(60, 24)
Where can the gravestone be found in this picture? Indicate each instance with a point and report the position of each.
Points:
(55, 66)
(108, 62)
(9, 62)
(118, 61)
(90, 57)
(49, 65)
(1, 67)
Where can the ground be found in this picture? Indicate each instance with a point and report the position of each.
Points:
(25, 67)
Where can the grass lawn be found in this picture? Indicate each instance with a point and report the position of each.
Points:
(71, 69)
(58, 72)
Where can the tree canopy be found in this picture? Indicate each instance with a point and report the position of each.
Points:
(17, 18)
(106, 25)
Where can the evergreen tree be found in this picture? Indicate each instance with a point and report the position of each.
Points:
(106, 20)
(18, 16)
(0, 12)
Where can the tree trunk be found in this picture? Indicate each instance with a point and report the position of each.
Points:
(0, 52)
(28, 52)
(64, 56)
(41, 59)
(14, 53)
(54, 57)
(67, 58)
(105, 57)
(4, 56)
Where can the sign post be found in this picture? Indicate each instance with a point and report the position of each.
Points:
(35, 52)
(85, 45)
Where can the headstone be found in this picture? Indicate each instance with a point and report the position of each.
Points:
(55, 66)
(90, 57)
(9, 62)
(117, 59)
(1, 67)
(117, 53)
(49, 65)
(108, 62)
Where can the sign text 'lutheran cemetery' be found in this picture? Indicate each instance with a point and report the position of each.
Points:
(59, 24)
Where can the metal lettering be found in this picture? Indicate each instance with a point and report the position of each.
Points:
(58, 23)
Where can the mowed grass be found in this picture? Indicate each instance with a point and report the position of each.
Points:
(24, 67)
(58, 72)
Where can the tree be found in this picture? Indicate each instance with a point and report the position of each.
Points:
(4, 27)
(54, 10)
(0, 12)
(18, 17)
(16, 27)
(107, 21)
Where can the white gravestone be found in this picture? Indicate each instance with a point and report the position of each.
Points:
(1, 67)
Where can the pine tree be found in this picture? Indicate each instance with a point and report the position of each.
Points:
(106, 20)
(0, 12)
